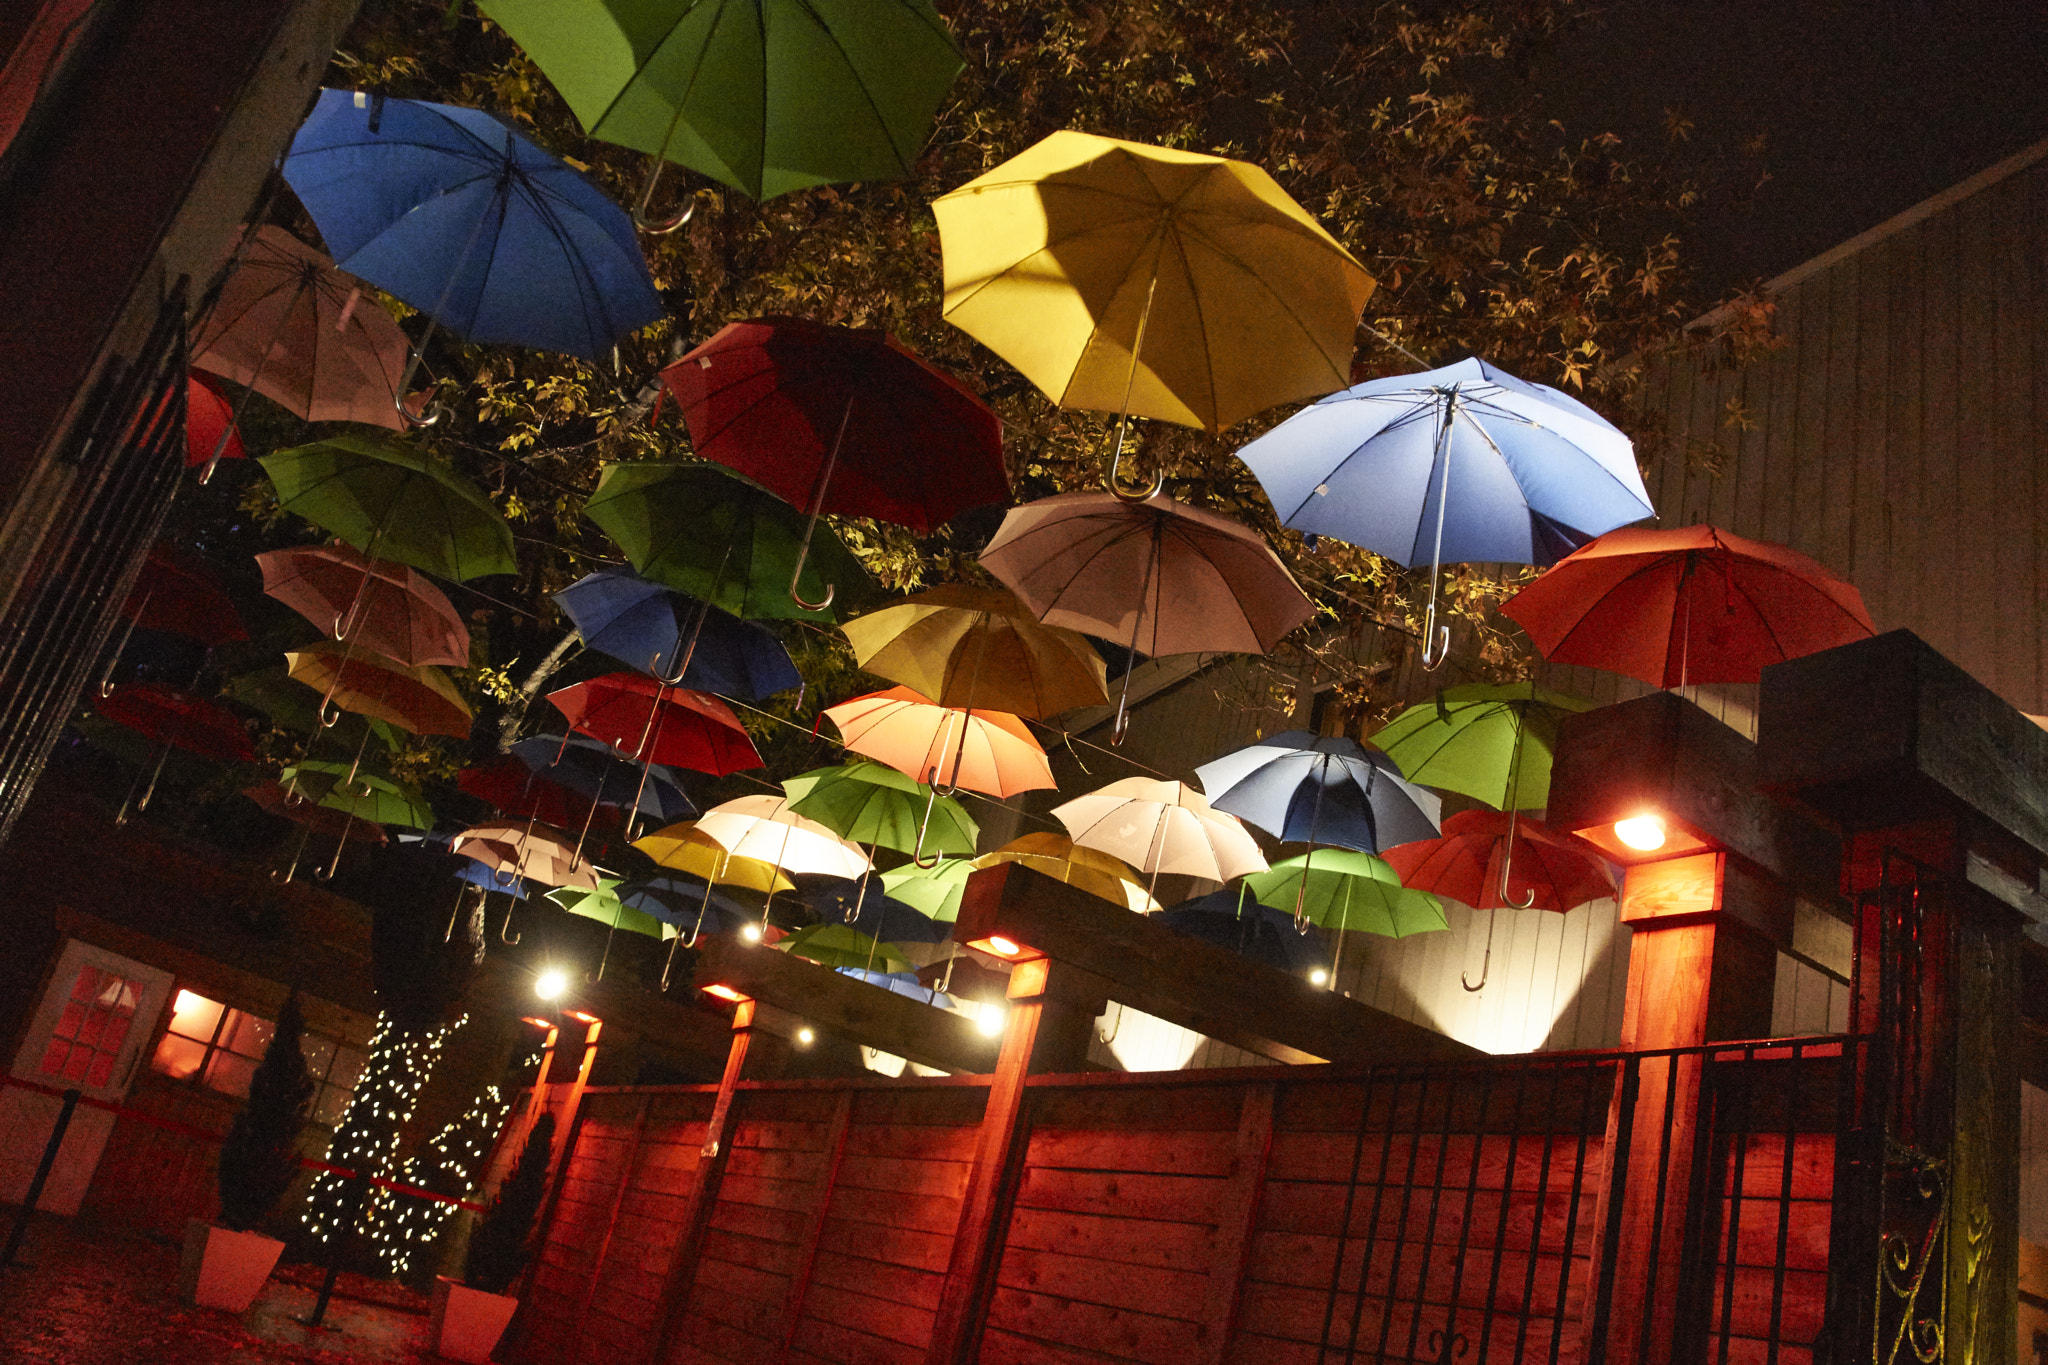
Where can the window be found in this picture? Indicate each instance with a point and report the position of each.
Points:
(211, 1045)
(91, 1029)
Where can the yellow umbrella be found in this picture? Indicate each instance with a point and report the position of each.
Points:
(687, 849)
(964, 646)
(1127, 278)
(1084, 869)
(420, 699)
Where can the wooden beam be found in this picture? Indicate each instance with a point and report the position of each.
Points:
(1188, 982)
(853, 1009)
(1237, 1218)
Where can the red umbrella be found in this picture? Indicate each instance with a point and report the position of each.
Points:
(383, 607)
(840, 419)
(516, 789)
(177, 592)
(1693, 605)
(652, 723)
(178, 719)
(1465, 864)
(208, 417)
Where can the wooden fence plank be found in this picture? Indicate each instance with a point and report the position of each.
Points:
(821, 1201)
(1237, 1216)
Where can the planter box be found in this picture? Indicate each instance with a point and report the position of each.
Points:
(468, 1322)
(223, 1269)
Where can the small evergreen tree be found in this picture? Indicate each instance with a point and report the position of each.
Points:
(260, 1158)
(503, 1238)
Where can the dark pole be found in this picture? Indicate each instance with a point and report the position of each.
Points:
(361, 1188)
(35, 1186)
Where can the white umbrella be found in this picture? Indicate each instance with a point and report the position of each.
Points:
(1159, 826)
(764, 827)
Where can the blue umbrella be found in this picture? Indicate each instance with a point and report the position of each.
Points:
(861, 904)
(684, 903)
(1238, 921)
(1461, 464)
(903, 983)
(1315, 789)
(477, 874)
(464, 219)
(654, 629)
(588, 767)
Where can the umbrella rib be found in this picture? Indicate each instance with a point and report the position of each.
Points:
(540, 199)
(1277, 298)
(903, 161)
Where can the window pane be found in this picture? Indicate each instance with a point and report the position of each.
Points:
(246, 1034)
(68, 1022)
(102, 1068)
(194, 1016)
(76, 1064)
(333, 1102)
(87, 986)
(178, 1058)
(319, 1054)
(116, 995)
(53, 1060)
(348, 1067)
(229, 1074)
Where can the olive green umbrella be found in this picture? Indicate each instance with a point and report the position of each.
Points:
(767, 96)
(934, 891)
(835, 945)
(1348, 890)
(1489, 741)
(391, 501)
(368, 796)
(602, 904)
(291, 706)
(702, 531)
(873, 804)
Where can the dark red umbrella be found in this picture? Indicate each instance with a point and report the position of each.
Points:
(516, 789)
(648, 722)
(208, 417)
(1693, 605)
(1464, 863)
(840, 419)
(178, 719)
(177, 592)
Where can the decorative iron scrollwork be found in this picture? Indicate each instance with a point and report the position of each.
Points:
(1910, 1312)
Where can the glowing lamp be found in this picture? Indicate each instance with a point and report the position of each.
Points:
(997, 945)
(751, 933)
(580, 1017)
(1318, 977)
(804, 1037)
(725, 992)
(537, 1022)
(1644, 833)
(551, 984)
(992, 1020)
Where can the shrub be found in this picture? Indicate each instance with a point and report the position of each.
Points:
(259, 1158)
(503, 1238)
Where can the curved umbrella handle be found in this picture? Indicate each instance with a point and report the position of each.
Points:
(1507, 859)
(305, 833)
(1485, 966)
(114, 660)
(429, 415)
(1124, 494)
(658, 227)
(511, 904)
(326, 874)
(1436, 641)
(917, 852)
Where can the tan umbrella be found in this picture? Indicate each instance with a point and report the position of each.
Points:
(984, 751)
(420, 700)
(535, 851)
(966, 646)
(1159, 826)
(1084, 869)
(381, 606)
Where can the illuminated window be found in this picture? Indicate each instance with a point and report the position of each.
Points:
(90, 1031)
(211, 1045)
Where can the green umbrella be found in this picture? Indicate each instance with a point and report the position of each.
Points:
(604, 906)
(936, 891)
(1488, 741)
(767, 96)
(710, 534)
(370, 797)
(836, 945)
(392, 502)
(1348, 890)
(871, 803)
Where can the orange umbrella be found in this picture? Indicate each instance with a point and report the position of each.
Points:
(421, 700)
(382, 606)
(1559, 870)
(983, 751)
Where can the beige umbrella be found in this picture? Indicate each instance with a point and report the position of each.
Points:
(1084, 869)
(1159, 826)
(966, 646)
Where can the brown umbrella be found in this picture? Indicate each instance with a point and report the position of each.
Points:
(380, 606)
(420, 700)
(978, 648)
(1166, 577)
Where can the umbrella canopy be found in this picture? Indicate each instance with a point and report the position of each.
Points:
(291, 707)
(1561, 871)
(467, 221)
(1691, 605)
(901, 983)
(516, 789)
(1159, 826)
(765, 828)
(1085, 869)
(840, 419)
(1164, 576)
(379, 605)
(934, 890)
(1321, 789)
(363, 794)
(983, 751)
(863, 904)
(535, 851)
(1233, 919)
(208, 417)
(836, 945)
(967, 646)
(655, 629)
(274, 798)
(872, 804)
(767, 96)
(684, 902)
(1489, 741)
(683, 848)
(602, 903)
(591, 769)
(392, 502)
(705, 532)
(485, 878)
(1347, 890)
(652, 723)
(298, 331)
(178, 593)
(1124, 277)
(420, 700)
(178, 719)
(1531, 471)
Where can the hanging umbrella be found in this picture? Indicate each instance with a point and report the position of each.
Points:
(966, 646)
(177, 592)
(1320, 789)
(836, 945)
(703, 531)
(366, 796)
(1349, 890)
(651, 723)
(842, 420)
(1164, 576)
(1460, 464)
(862, 904)
(1127, 278)
(676, 638)
(516, 789)
(603, 904)
(683, 848)
(384, 607)
(901, 983)
(1692, 605)
(317, 818)
(1489, 741)
(419, 700)
(1084, 869)
(1557, 871)
(209, 423)
(467, 221)
(535, 851)
(486, 878)
(293, 328)
(681, 902)
(1233, 919)
(290, 706)
(179, 720)
(392, 502)
(767, 96)
(590, 769)
(983, 751)
(873, 804)
(765, 828)
(934, 890)
(1158, 826)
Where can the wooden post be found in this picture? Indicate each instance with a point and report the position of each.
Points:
(1237, 1217)
(565, 1140)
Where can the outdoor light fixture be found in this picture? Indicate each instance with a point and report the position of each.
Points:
(1644, 833)
(804, 1037)
(725, 992)
(537, 1021)
(997, 945)
(751, 933)
(550, 984)
(580, 1017)
(1318, 977)
(992, 1019)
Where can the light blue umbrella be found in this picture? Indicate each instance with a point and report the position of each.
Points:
(1322, 789)
(1463, 464)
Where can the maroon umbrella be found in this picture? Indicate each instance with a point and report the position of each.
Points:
(178, 719)
(516, 789)
(840, 419)
(380, 606)
(208, 418)
(177, 592)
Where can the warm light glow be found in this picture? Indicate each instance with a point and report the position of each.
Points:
(537, 1022)
(580, 1017)
(1641, 832)
(1319, 977)
(998, 945)
(804, 1037)
(992, 1019)
(751, 933)
(724, 992)
(551, 984)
